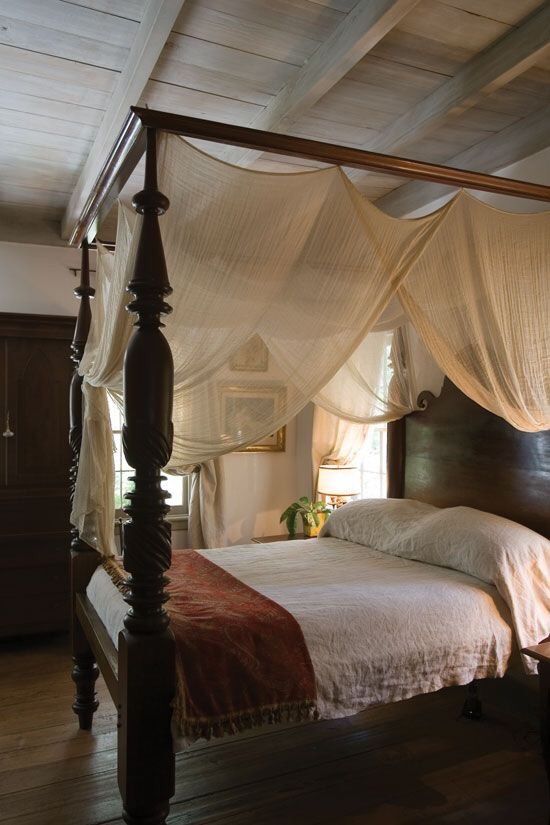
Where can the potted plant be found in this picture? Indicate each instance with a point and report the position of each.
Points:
(313, 513)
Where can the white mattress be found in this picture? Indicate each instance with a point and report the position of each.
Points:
(378, 628)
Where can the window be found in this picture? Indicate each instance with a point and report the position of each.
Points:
(177, 486)
(372, 463)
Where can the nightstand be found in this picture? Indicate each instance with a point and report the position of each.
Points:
(542, 654)
(270, 539)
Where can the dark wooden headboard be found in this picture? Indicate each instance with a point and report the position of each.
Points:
(454, 452)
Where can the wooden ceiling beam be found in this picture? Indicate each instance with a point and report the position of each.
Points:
(519, 141)
(488, 71)
(354, 37)
(156, 24)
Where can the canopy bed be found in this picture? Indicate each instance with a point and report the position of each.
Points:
(449, 455)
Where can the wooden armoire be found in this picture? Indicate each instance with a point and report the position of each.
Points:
(34, 470)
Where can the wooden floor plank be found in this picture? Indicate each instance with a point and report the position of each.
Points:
(412, 762)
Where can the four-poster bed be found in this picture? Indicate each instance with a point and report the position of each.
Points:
(141, 674)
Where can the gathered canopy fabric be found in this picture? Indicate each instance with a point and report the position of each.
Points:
(278, 281)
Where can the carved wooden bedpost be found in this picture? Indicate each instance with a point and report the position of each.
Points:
(146, 645)
(83, 558)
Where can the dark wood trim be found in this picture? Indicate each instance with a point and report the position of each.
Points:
(395, 457)
(84, 559)
(336, 155)
(147, 678)
(455, 453)
(119, 165)
(130, 143)
(541, 653)
(101, 643)
(23, 325)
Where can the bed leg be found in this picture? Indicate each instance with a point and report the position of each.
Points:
(84, 675)
(146, 762)
(85, 671)
(472, 708)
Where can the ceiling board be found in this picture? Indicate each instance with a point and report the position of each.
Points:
(68, 18)
(388, 74)
(451, 26)
(505, 11)
(130, 9)
(60, 70)
(32, 137)
(186, 61)
(512, 101)
(35, 176)
(58, 93)
(46, 40)
(40, 123)
(302, 17)
(29, 196)
(252, 36)
(46, 155)
(229, 60)
(422, 52)
(176, 99)
(37, 105)
(373, 185)
(330, 131)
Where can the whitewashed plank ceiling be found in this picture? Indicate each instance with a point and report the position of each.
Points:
(459, 81)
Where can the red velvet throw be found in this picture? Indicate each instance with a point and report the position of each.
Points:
(242, 660)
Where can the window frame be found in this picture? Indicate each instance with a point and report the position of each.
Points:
(178, 512)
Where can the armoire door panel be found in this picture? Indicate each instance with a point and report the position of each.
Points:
(38, 375)
(35, 373)
(3, 413)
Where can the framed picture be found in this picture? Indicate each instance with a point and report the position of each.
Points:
(253, 356)
(274, 443)
(241, 409)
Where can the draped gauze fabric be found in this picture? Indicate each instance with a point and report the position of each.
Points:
(380, 382)
(480, 300)
(278, 280)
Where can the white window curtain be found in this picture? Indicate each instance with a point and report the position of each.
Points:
(278, 280)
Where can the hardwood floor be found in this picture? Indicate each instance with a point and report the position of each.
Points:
(413, 762)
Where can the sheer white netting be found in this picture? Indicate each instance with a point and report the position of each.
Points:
(278, 281)
(480, 299)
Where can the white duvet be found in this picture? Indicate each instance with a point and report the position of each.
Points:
(379, 628)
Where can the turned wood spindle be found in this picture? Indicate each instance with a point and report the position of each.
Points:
(146, 645)
(85, 670)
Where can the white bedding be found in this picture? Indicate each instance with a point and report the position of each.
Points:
(379, 628)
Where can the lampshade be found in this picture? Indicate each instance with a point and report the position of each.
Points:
(338, 481)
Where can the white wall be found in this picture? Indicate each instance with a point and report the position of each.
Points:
(259, 486)
(37, 279)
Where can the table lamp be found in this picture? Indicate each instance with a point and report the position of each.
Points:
(338, 483)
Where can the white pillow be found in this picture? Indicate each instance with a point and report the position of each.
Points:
(511, 557)
(377, 522)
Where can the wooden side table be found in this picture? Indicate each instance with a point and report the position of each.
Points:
(542, 654)
(271, 539)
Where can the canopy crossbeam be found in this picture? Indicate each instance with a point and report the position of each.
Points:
(130, 145)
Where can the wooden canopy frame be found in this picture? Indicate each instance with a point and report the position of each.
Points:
(130, 146)
(141, 675)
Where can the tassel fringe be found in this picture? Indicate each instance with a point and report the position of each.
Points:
(117, 573)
